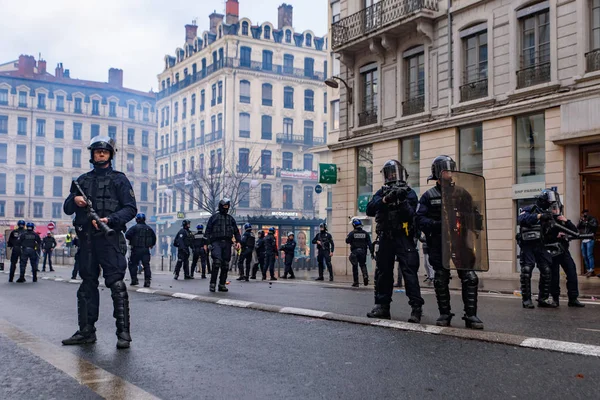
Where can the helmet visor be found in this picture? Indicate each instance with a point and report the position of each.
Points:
(444, 165)
(393, 173)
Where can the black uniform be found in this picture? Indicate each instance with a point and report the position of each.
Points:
(561, 257)
(12, 243)
(141, 239)
(248, 241)
(534, 253)
(397, 241)
(429, 220)
(198, 243)
(29, 242)
(260, 255)
(112, 197)
(324, 251)
(220, 230)
(183, 241)
(75, 243)
(48, 245)
(360, 244)
(270, 255)
(288, 248)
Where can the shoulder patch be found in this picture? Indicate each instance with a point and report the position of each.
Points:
(131, 193)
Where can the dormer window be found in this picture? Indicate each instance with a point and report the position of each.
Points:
(245, 28)
(288, 36)
(308, 40)
(267, 32)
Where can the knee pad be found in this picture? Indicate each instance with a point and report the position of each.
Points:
(470, 278)
(526, 269)
(118, 286)
(442, 276)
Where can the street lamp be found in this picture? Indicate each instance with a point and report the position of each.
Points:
(332, 83)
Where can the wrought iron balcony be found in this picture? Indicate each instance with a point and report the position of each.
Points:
(533, 75)
(376, 17)
(214, 136)
(474, 90)
(592, 61)
(300, 140)
(243, 169)
(367, 117)
(266, 170)
(414, 105)
(182, 146)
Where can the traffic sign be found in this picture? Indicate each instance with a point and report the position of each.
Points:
(51, 226)
(318, 189)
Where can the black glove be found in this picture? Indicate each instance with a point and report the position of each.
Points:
(391, 197)
(402, 193)
(546, 217)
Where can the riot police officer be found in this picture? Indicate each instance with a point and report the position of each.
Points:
(532, 220)
(29, 243)
(393, 207)
(183, 241)
(102, 243)
(13, 238)
(141, 239)
(288, 249)
(270, 253)
(220, 230)
(247, 243)
(325, 247)
(429, 220)
(48, 245)
(199, 242)
(260, 255)
(360, 243)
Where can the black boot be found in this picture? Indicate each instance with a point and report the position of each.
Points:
(84, 335)
(473, 322)
(134, 282)
(574, 302)
(547, 303)
(442, 294)
(544, 300)
(223, 288)
(556, 299)
(526, 289)
(444, 319)
(121, 313)
(147, 283)
(212, 287)
(355, 284)
(380, 311)
(366, 281)
(528, 303)
(470, 283)
(21, 279)
(415, 315)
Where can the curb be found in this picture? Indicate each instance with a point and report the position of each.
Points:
(484, 336)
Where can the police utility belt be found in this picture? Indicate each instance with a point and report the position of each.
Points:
(530, 235)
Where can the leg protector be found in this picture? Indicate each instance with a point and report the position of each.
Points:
(526, 270)
(214, 273)
(470, 283)
(121, 313)
(442, 290)
(224, 267)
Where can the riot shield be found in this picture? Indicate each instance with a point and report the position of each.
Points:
(464, 224)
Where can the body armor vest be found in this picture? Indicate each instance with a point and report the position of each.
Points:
(14, 237)
(47, 243)
(325, 241)
(435, 201)
(186, 240)
(198, 241)
(101, 190)
(359, 240)
(223, 227)
(250, 240)
(531, 234)
(142, 237)
(260, 246)
(28, 240)
(270, 244)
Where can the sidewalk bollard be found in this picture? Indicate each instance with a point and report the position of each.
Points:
(162, 263)
(170, 260)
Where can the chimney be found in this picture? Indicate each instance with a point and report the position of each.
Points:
(42, 67)
(214, 21)
(26, 65)
(285, 15)
(115, 77)
(232, 11)
(67, 74)
(191, 32)
(58, 72)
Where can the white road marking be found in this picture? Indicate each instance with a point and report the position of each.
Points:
(564, 347)
(588, 329)
(145, 290)
(235, 303)
(303, 311)
(407, 326)
(184, 296)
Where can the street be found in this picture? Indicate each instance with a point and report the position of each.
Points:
(187, 349)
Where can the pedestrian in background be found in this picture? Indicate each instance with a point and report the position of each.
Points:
(588, 224)
(48, 246)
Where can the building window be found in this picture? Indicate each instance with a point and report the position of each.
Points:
(60, 103)
(77, 127)
(245, 57)
(132, 111)
(531, 149)
(324, 132)
(471, 149)
(244, 161)
(58, 157)
(3, 153)
(146, 113)
(144, 191)
(220, 124)
(95, 130)
(308, 162)
(288, 197)
(288, 160)
(244, 92)
(245, 28)
(325, 103)
(184, 109)
(335, 11)
(202, 99)
(41, 101)
(145, 139)
(288, 64)
(3, 97)
(265, 195)
(309, 67)
(22, 99)
(244, 195)
(112, 109)
(21, 126)
(3, 124)
(40, 127)
(78, 103)
(213, 100)
(168, 116)
(414, 61)
(131, 136)
(220, 96)
(20, 184)
(145, 164)
(288, 128)
(410, 159)
(130, 162)
(267, 32)
(365, 174)
(593, 57)
(176, 112)
(267, 94)
(112, 132)
(308, 132)
(535, 45)
(19, 209)
(38, 209)
(175, 170)
(308, 198)
(266, 127)
(475, 74)
(56, 210)
(308, 40)
(2, 183)
(288, 36)
(267, 60)
(244, 125)
(288, 97)
(57, 186)
(40, 155)
(76, 158)
(38, 185)
(95, 107)
(21, 154)
(265, 162)
(369, 77)
(59, 129)
(309, 100)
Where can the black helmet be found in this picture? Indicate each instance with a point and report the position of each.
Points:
(393, 172)
(21, 223)
(439, 164)
(261, 234)
(224, 205)
(549, 200)
(102, 143)
(272, 230)
(323, 226)
(247, 227)
(30, 226)
(186, 223)
(141, 217)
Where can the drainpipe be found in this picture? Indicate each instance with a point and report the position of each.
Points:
(450, 60)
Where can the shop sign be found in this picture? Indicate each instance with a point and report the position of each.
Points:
(285, 214)
(328, 173)
(299, 174)
(527, 190)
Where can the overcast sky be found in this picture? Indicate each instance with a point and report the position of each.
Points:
(91, 36)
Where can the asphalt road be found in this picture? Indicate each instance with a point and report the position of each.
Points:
(192, 350)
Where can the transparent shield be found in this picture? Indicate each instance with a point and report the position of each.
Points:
(464, 223)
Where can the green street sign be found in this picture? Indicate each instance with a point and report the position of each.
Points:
(363, 200)
(328, 174)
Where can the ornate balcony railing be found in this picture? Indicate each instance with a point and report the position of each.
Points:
(376, 17)
(301, 140)
(414, 105)
(367, 117)
(213, 137)
(592, 61)
(533, 75)
(474, 90)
